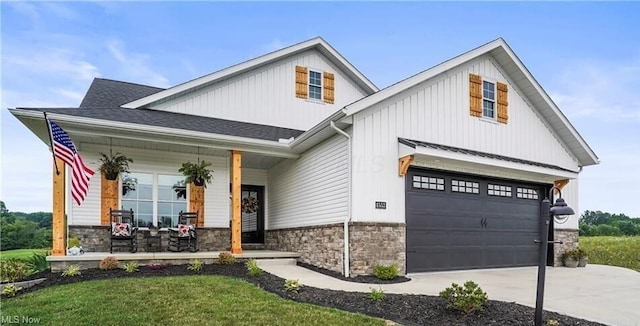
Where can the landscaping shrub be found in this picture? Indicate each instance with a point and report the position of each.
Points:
(10, 290)
(376, 294)
(38, 262)
(195, 265)
(72, 270)
(131, 267)
(292, 285)
(467, 299)
(109, 263)
(252, 268)
(14, 269)
(74, 242)
(385, 272)
(226, 258)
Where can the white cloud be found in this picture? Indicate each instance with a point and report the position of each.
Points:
(135, 66)
(40, 61)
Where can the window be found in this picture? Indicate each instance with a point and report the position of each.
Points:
(425, 182)
(488, 99)
(315, 85)
(526, 193)
(156, 199)
(465, 186)
(498, 190)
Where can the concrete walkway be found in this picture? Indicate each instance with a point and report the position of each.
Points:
(606, 294)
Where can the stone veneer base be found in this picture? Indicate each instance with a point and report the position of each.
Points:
(569, 238)
(96, 238)
(323, 245)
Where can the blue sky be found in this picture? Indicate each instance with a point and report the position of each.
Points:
(585, 55)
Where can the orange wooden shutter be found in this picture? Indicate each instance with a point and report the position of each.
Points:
(301, 82)
(503, 103)
(328, 84)
(475, 95)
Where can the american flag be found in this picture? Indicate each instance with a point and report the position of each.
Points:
(64, 149)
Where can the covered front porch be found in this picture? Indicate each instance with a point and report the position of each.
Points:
(92, 259)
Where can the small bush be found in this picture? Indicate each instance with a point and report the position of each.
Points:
(553, 322)
(72, 270)
(10, 290)
(385, 272)
(14, 269)
(157, 267)
(376, 294)
(195, 265)
(226, 258)
(38, 262)
(467, 299)
(131, 267)
(292, 285)
(109, 263)
(74, 242)
(252, 268)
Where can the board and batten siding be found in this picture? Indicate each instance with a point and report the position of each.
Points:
(267, 95)
(216, 194)
(437, 111)
(310, 190)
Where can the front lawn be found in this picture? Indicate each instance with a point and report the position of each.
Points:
(23, 254)
(185, 300)
(614, 251)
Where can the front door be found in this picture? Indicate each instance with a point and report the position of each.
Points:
(252, 210)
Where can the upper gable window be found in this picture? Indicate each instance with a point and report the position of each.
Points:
(488, 99)
(315, 85)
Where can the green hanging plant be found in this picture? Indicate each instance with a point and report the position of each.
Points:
(114, 164)
(198, 173)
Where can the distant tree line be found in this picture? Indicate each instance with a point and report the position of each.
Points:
(20, 230)
(601, 223)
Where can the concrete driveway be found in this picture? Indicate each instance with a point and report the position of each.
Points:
(606, 294)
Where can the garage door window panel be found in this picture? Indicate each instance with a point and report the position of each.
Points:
(469, 187)
(527, 193)
(426, 182)
(498, 190)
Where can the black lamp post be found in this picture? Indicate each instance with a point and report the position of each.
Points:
(560, 212)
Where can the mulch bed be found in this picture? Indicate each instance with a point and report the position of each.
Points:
(405, 309)
(357, 279)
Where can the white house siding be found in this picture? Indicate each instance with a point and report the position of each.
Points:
(437, 111)
(267, 95)
(311, 190)
(216, 193)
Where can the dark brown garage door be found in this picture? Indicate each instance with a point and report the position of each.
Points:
(464, 222)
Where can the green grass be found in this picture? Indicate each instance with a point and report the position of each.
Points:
(184, 300)
(614, 251)
(21, 253)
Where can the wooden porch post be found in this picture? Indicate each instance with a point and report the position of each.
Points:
(236, 218)
(58, 224)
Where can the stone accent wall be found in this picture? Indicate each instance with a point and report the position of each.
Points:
(323, 246)
(96, 239)
(320, 245)
(376, 243)
(569, 238)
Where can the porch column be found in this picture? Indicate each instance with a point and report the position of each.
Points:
(58, 224)
(236, 218)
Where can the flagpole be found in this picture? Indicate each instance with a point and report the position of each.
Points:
(46, 120)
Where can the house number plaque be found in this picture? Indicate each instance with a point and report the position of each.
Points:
(381, 205)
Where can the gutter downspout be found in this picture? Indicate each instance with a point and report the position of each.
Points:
(348, 218)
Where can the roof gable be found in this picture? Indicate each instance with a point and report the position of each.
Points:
(316, 43)
(521, 76)
(107, 93)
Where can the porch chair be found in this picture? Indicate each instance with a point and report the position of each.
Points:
(185, 235)
(122, 231)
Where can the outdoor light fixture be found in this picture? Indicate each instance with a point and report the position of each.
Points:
(560, 213)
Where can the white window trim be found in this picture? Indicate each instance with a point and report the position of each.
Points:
(495, 100)
(154, 195)
(321, 72)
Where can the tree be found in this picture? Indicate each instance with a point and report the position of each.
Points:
(3, 209)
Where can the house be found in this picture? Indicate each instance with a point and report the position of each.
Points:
(443, 170)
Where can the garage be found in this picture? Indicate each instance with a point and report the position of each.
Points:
(460, 221)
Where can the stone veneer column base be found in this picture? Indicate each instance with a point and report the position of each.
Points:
(96, 238)
(323, 245)
(569, 238)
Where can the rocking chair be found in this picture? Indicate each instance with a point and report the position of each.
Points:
(185, 236)
(121, 230)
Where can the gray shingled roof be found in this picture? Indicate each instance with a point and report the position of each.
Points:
(178, 121)
(414, 143)
(107, 93)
